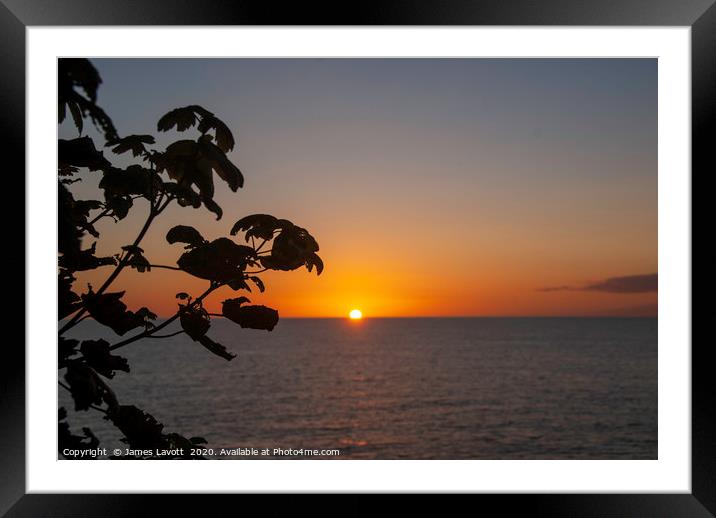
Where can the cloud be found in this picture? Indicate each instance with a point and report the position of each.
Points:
(627, 284)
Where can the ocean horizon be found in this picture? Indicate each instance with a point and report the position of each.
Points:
(459, 387)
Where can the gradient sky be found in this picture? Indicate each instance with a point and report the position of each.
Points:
(434, 186)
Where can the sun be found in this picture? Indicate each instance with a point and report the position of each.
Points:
(355, 314)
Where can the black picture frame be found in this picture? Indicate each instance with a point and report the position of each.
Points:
(16, 15)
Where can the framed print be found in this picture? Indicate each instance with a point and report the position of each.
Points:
(442, 250)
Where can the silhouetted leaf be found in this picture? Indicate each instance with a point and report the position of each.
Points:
(79, 72)
(120, 185)
(211, 205)
(175, 441)
(73, 221)
(221, 260)
(140, 429)
(68, 301)
(137, 259)
(253, 317)
(87, 388)
(222, 133)
(79, 152)
(133, 143)
(85, 260)
(119, 205)
(76, 112)
(185, 196)
(68, 234)
(219, 162)
(313, 260)
(261, 226)
(182, 296)
(134, 180)
(66, 440)
(216, 348)
(292, 248)
(81, 212)
(184, 118)
(185, 234)
(259, 283)
(109, 310)
(191, 163)
(238, 284)
(66, 348)
(97, 355)
(195, 321)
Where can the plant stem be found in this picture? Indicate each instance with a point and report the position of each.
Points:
(166, 267)
(153, 213)
(99, 216)
(150, 332)
(261, 245)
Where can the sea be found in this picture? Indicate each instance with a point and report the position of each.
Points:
(398, 388)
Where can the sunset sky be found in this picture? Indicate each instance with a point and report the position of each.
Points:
(435, 187)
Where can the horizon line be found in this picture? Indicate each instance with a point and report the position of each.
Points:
(446, 316)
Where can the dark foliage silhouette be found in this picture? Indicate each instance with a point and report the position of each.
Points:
(182, 173)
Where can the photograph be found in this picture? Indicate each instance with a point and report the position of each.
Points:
(369, 258)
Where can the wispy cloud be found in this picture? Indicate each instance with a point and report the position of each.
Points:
(626, 284)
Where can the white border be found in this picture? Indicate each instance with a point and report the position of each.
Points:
(670, 473)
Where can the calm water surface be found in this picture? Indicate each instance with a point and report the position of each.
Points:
(432, 388)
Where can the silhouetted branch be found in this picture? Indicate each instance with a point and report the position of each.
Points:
(99, 216)
(153, 213)
(150, 332)
(164, 266)
(261, 245)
